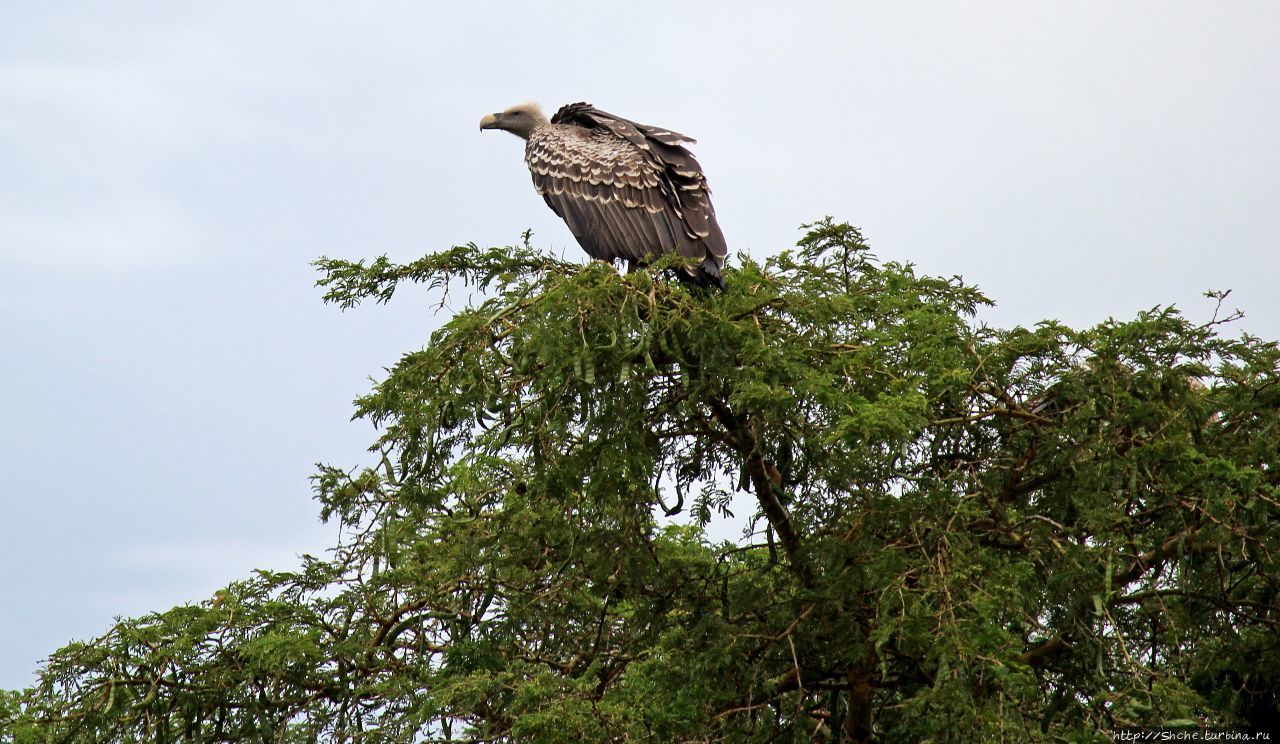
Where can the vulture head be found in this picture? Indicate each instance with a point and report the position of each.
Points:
(520, 120)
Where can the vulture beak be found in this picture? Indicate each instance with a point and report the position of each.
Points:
(490, 121)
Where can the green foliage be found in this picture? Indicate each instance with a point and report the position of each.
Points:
(1036, 534)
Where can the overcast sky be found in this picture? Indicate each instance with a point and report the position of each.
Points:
(169, 170)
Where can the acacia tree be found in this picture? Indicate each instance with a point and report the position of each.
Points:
(958, 531)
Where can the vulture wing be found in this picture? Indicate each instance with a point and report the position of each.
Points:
(627, 190)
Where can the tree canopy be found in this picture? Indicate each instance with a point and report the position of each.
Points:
(954, 530)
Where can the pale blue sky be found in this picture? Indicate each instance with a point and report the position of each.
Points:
(169, 170)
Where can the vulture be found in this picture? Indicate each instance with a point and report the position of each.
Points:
(626, 190)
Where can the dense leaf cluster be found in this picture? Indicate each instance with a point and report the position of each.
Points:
(959, 531)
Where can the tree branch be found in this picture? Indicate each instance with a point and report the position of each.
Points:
(766, 482)
(1051, 648)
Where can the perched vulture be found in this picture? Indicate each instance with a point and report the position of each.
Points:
(626, 190)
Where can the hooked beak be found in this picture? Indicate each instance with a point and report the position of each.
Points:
(490, 121)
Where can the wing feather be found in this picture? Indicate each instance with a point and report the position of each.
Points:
(626, 190)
